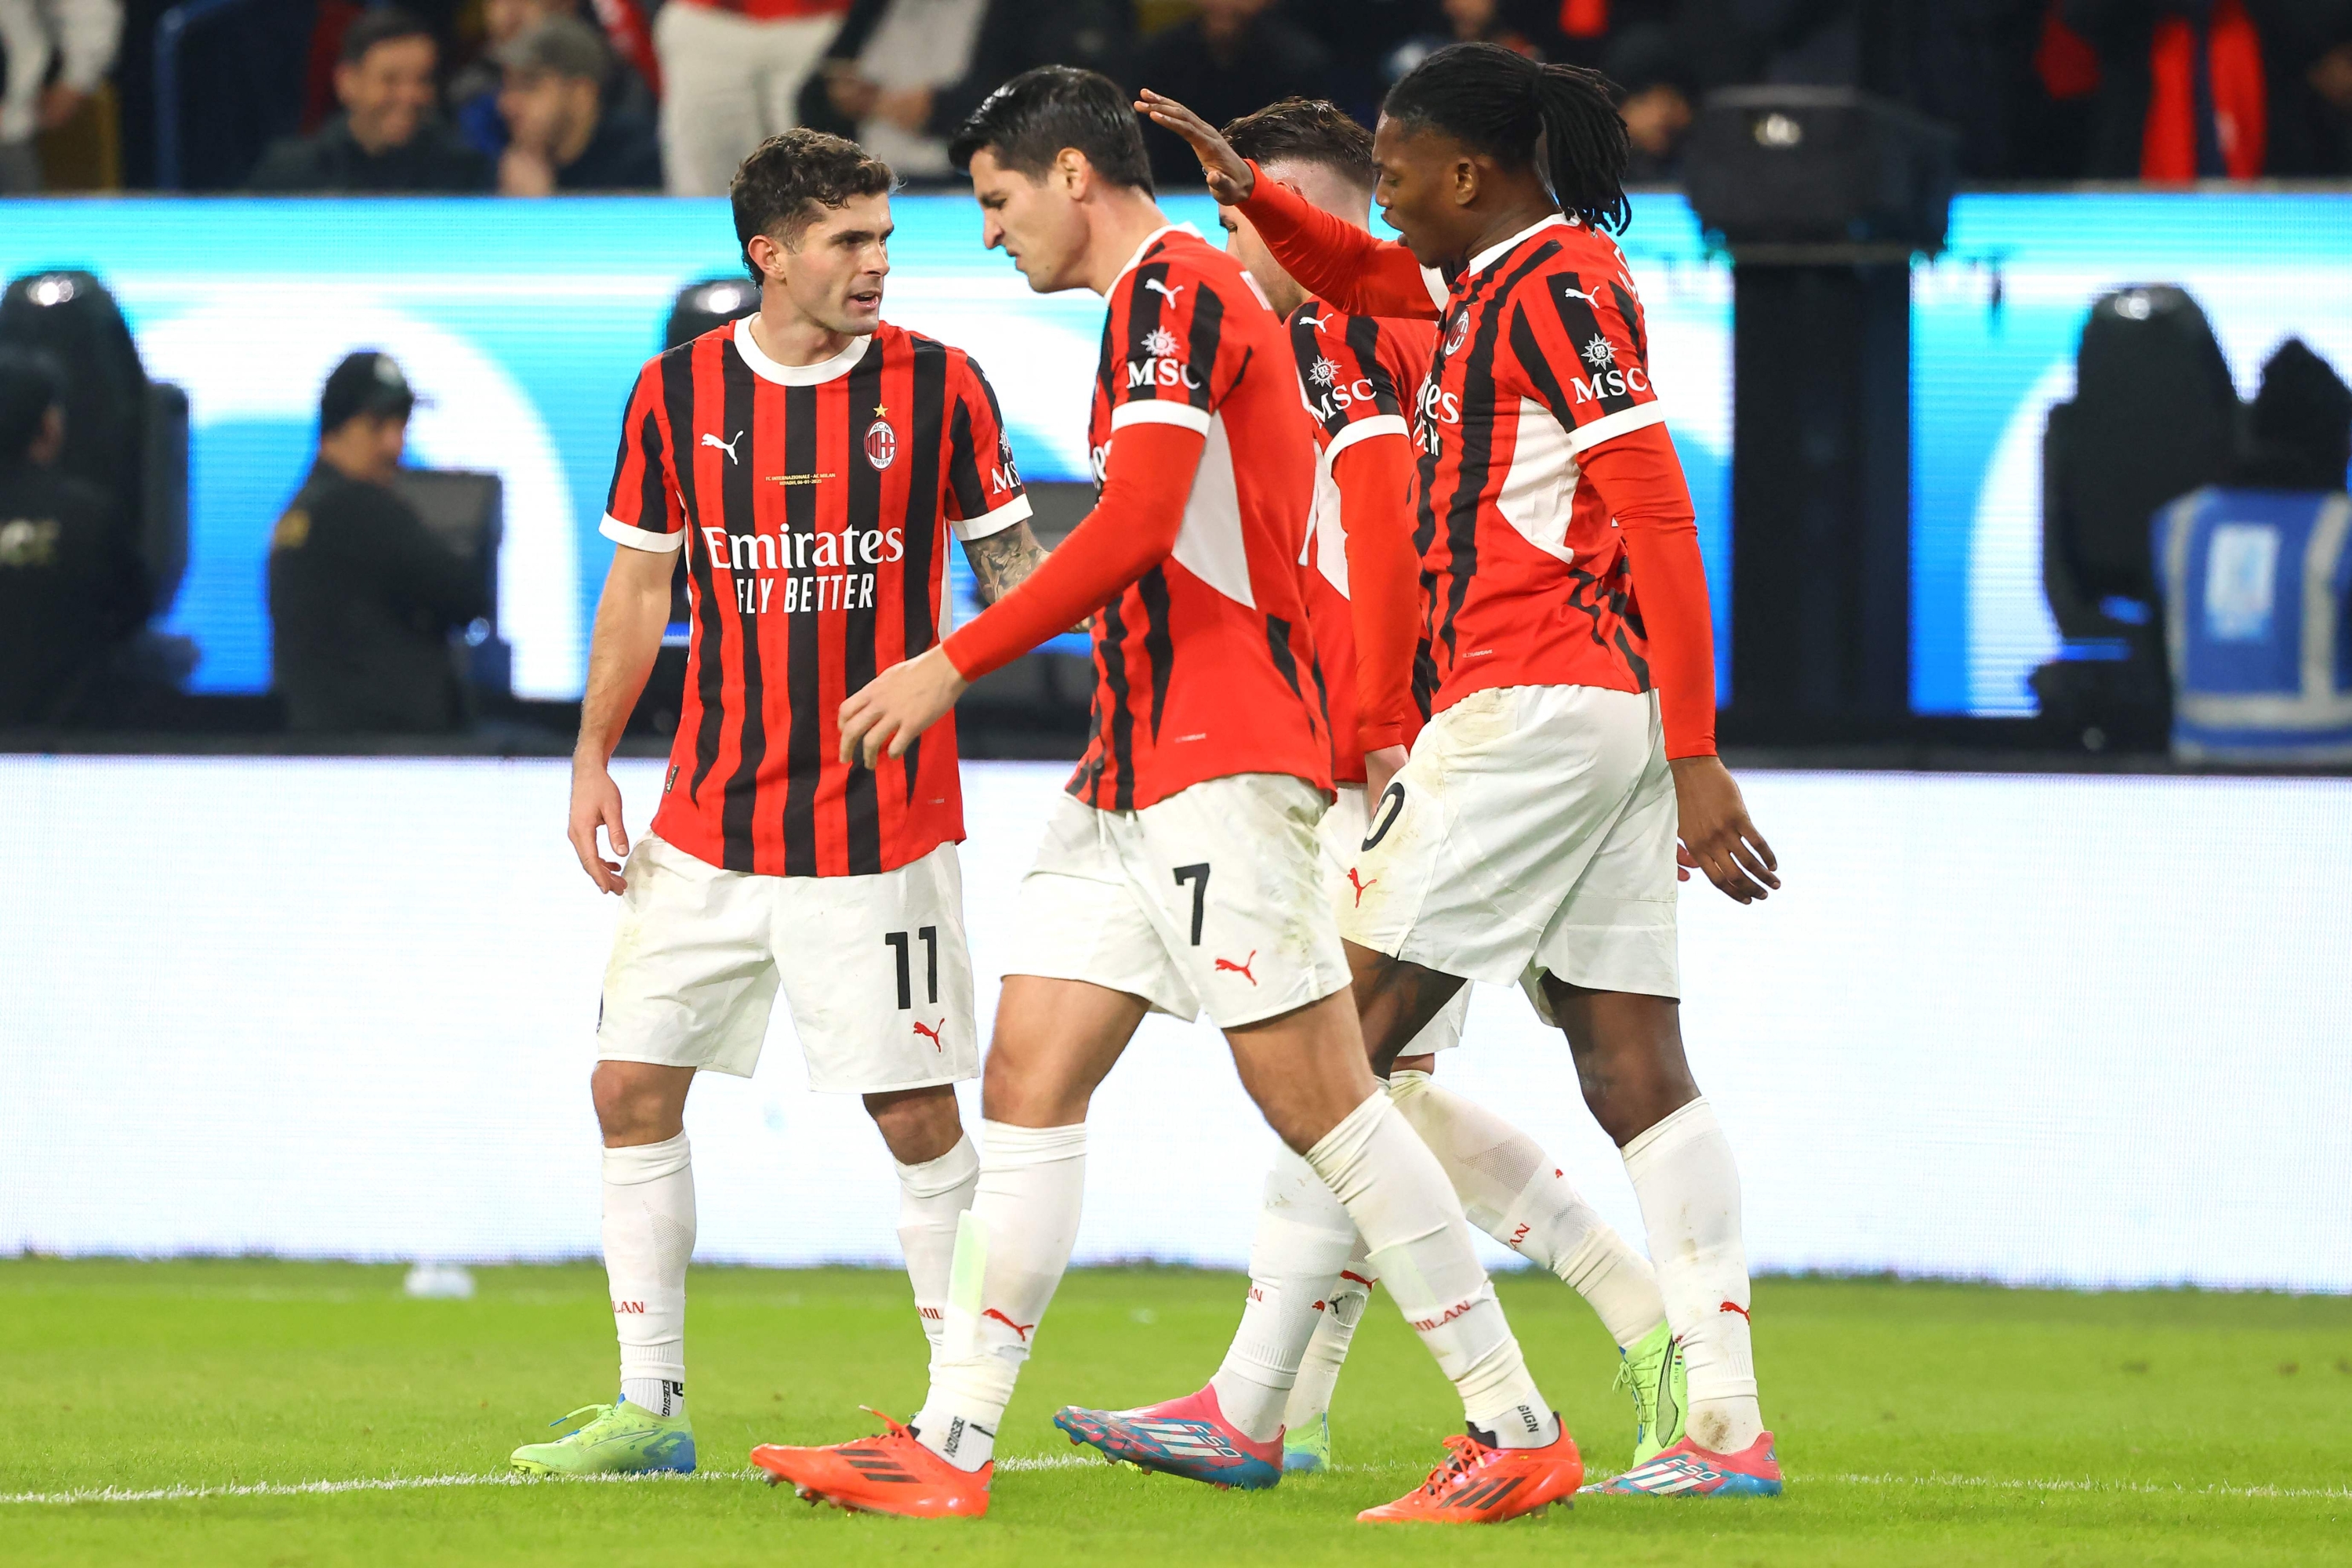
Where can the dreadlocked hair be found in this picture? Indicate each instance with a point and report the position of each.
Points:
(1560, 120)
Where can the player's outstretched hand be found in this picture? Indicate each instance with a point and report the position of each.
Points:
(898, 705)
(1717, 836)
(1228, 172)
(596, 803)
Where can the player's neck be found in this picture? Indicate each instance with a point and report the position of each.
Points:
(786, 336)
(1509, 218)
(1126, 219)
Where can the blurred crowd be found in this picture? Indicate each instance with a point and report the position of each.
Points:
(535, 98)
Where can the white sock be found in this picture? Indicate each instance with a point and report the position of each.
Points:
(648, 1237)
(1011, 1247)
(1689, 1189)
(931, 1197)
(1335, 1329)
(1397, 1194)
(1511, 1190)
(1303, 1240)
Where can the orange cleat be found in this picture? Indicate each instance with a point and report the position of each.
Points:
(892, 1473)
(1482, 1485)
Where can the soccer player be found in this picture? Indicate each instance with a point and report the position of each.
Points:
(809, 461)
(1182, 873)
(1532, 835)
(1358, 374)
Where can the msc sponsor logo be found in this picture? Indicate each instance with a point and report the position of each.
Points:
(1618, 381)
(1342, 397)
(1157, 371)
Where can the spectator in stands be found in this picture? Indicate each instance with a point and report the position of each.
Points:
(2190, 90)
(1648, 63)
(1229, 58)
(1464, 22)
(474, 91)
(733, 72)
(71, 596)
(2330, 79)
(388, 136)
(901, 75)
(79, 38)
(561, 135)
(361, 597)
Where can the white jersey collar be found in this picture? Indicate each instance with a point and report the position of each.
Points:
(815, 374)
(1493, 253)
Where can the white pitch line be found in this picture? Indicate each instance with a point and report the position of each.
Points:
(1992, 1483)
(421, 1483)
(1066, 1461)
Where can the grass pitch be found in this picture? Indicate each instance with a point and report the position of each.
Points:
(1917, 1423)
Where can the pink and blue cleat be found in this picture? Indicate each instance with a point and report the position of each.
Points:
(1688, 1470)
(1189, 1438)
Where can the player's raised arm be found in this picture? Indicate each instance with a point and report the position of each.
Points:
(1334, 258)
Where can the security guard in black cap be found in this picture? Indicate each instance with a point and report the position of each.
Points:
(362, 596)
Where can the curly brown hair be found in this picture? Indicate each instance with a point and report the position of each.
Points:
(779, 188)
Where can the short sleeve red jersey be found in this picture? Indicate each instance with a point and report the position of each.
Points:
(1359, 376)
(1205, 666)
(814, 504)
(1542, 356)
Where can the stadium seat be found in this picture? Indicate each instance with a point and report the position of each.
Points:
(2154, 416)
(111, 408)
(704, 305)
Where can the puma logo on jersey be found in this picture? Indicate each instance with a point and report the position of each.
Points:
(1227, 966)
(728, 446)
(1157, 287)
(1569, 292)
(929, 1033)
(1733, 1306)
(1020, 1328)
(1360, 887)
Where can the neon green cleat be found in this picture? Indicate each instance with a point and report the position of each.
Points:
(1654, 1370)
(1308, 1450)
(621, 1439)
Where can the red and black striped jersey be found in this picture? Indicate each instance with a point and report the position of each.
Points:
(1542, 356)
(1205, 667)
(1358, 374)
(814, 504)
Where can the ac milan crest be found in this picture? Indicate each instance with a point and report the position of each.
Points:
(881, 444)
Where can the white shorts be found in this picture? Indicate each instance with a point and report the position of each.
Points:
(874, 968)
(1214, 899)
(1342, 833)
(1532, 831)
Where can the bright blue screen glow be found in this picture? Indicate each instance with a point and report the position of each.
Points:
(1994, 325)
(525, 323)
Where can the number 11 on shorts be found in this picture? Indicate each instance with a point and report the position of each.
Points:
(900, 947)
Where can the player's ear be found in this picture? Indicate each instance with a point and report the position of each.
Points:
(1466, 181)
(1076, 173)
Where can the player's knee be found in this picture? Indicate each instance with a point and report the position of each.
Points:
(630, 1107)
(919, 1125)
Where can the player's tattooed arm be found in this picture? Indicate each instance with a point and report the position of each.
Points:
(1004, 559)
